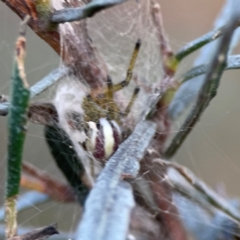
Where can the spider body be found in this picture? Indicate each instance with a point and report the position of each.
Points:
(103, 138)
(103, 118)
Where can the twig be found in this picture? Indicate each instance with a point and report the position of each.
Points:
(17, 130)
(25, 201)
(212, 197)
(233, 62)
(79, 13)
(49, 80)
(109, 223)
(63, 152)
(159, 101)
(144, 223)
(41, 181)
(40, 86)
(108, 206)
(200, 42)
(209, 88)
(210, 223)
(77, 52)
(188, 92)
(38, 234)
(169, 63)
(23, 230)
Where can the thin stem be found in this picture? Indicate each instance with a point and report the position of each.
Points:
(40, 181)
(24, 230)
(233, 62)
(200, 42)
(40, 86)
(33, 198)
(169, 61)
(79, 13)
(109, 205)
(209, 88)
(17, 130)
(49, 80)
(38, 234)
(212, 197)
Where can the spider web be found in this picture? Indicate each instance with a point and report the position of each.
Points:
(211, 151)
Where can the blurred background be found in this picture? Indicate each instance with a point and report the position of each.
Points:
(211, 150)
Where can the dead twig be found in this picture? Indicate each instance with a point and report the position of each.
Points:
(38, 234)
(79, 13)
(233, 62)
(209, 88)
(108, 207)
(212, 197)
(40, 86)
(38, 180)
(157, 199)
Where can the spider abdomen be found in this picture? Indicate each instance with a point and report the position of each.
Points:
(104, 138)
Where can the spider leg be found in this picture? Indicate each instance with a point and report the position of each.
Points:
(131, 102)
(124, 83)
(111, 107)
(109, 88)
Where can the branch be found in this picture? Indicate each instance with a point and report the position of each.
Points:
(39, 180)
(49, 80)
(202, 41)
(25, 201)
(169, 64)
(40, 86)
(70, 40)
(108, 207)
(79, 13)
(188, 92)
(23, 230)
(213, 198)
(233, 62)
(210, 223)
(209, 87)
(17, 130)
(38, 234)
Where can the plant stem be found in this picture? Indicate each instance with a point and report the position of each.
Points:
(79, 13)
(200, 42)
(17, 130)
(40, 86)
(233, 62)
(211, 196)
(108, 207)
(209, 88)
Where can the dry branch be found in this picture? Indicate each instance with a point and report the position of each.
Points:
(109, 204)
(212, 197)
(79, 13)
(233, 62)
(39, 180)
(209, 88)
(38, 234)
(77, 51)
(40, 86)
(158, 198)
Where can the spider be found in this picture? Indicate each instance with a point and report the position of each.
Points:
(103, 118)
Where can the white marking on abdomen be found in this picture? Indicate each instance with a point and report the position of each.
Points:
(108, 136)
(93, 134)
